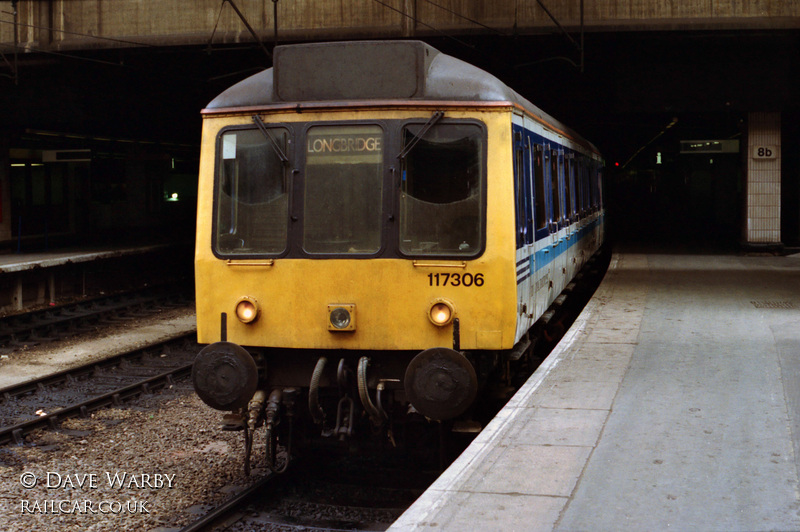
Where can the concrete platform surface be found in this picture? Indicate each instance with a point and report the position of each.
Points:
(16, 262)
(673, 403)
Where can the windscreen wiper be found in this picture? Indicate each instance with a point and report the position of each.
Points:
(278, 151)
(429, 124)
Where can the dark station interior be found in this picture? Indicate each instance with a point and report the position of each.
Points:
(636, 95)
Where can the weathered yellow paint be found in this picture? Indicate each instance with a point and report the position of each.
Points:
(392, 296)
(487, 339)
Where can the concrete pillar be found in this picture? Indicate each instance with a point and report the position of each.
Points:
(409, 21)
(763, 195)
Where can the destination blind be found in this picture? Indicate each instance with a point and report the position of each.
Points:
(344, 145)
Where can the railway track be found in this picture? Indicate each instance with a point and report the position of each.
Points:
(348, 493)
(32, 328)
(46, 402)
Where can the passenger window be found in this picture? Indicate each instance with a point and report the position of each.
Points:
(574, 186)
(252, 195)
(599, 181)
(441, 190)
(568, 185)
(538, 178)
(587, 186)
(554, 185)
(343, 189)
(581, 203)
(519, 173)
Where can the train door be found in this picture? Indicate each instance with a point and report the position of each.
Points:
(531, 241)
(571, 225)
(558, 227)
(600, 204)
(555, 197)
(524, 225)
(542, 248)
(553, 201)
(580, 207)
(519, 189)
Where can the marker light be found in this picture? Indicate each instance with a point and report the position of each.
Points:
(247, 310)
(441, 313)
(341, 317)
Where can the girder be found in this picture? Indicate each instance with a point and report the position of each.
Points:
(61, 25)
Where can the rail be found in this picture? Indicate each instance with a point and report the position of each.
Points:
(10, 395)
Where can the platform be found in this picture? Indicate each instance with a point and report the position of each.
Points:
(17, 262)
(673, 403)
(39, 278)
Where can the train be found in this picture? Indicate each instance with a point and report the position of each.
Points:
(380, 226)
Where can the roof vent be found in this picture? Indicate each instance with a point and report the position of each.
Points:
(367, 70)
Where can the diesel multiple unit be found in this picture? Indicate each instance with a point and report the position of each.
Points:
(379, 227)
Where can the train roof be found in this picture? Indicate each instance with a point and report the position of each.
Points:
(395, 70)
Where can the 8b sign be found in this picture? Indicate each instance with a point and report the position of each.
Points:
(765, 152)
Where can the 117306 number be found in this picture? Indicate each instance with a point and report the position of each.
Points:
(455, 279)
